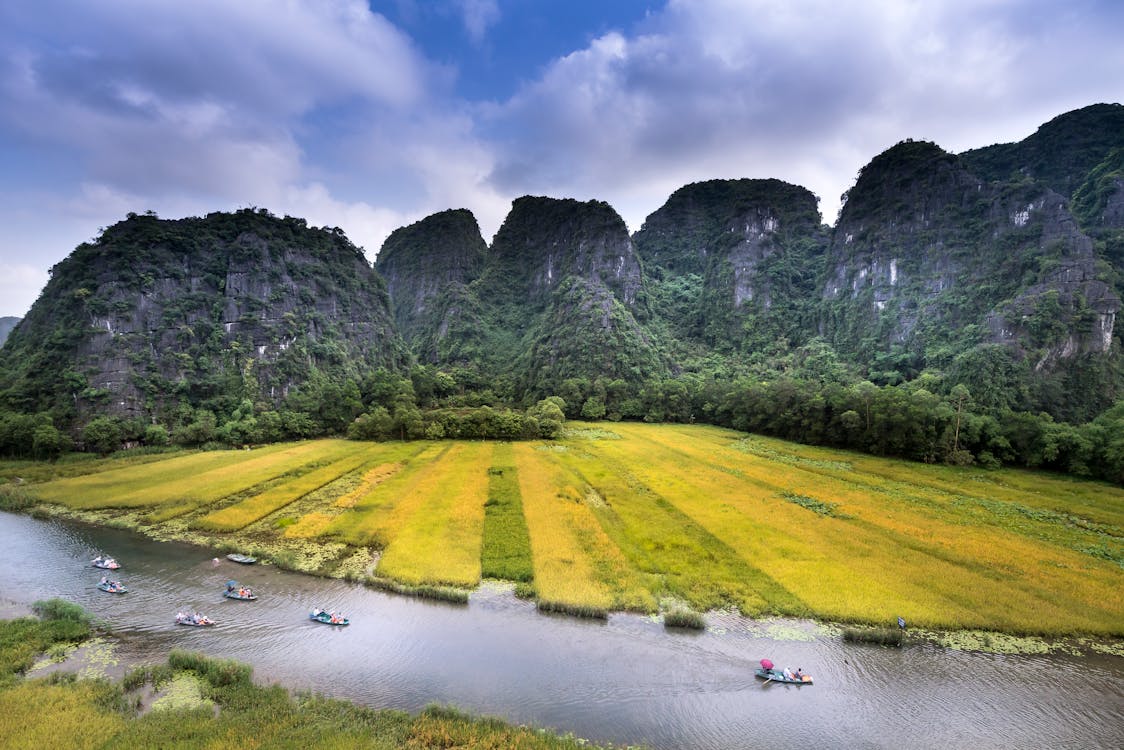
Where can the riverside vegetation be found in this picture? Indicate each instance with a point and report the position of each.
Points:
(679, 519)
(206, 703)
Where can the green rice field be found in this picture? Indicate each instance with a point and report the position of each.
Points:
(643, 518)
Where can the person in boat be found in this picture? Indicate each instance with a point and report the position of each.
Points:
(788, 674)
(104, 580)
(799, 674)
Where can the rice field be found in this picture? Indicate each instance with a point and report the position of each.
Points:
(648, 518)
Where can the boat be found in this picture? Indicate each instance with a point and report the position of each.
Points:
(235, 591)
(113, 587)
(193, 618)
(239, 558)
(104, 561)
(328, 618)
(777, 675)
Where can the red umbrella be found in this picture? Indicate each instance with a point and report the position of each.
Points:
(766, 664)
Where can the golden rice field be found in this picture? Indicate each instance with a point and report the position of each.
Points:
(639, 517)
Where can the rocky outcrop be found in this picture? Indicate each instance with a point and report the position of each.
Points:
(731, 249)
(925, 252)
(157, 311)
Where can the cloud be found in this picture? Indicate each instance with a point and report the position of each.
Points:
(478, 16)
(203, 97)
(807, 91)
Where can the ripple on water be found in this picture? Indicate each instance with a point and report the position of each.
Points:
(627, 680)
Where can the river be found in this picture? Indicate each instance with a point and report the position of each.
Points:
(625, 681)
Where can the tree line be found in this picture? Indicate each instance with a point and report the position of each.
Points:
(922, 420)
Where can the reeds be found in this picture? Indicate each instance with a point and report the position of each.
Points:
(879, 636)
(684, 618)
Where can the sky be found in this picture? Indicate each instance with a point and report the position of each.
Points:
(370, 116)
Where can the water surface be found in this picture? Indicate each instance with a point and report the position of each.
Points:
(626, 681)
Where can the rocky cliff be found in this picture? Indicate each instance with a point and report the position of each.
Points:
(158, 312)
(731, 259)
(428, 267)
(929, 260)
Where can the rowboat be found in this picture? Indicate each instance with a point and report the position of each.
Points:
(235, 591)
(777, 675)
(239, 558)
(113, 587)
(193, 618)
(328, 618)
(103, 561)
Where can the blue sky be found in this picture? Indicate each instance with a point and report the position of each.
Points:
(370, 116)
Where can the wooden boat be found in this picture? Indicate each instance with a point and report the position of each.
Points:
(193, 618)
(103, 561)
(326, 617)
(243, 593)
(113, 587)
(239, 558)
(777, 675)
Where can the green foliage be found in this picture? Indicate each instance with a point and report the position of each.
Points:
(506, 548)
(102, 435)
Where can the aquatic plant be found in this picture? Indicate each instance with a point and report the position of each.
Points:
(880, 636)
(684, 618)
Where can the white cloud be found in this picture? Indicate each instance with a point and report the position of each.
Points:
(478, 16)
(803, 90)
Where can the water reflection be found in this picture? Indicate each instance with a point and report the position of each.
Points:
(624, 681)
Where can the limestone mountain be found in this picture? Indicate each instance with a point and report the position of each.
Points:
(156, 314)
(931, 265)
(735, 262)
(1060, 154)
(564, 297)
(428, 267)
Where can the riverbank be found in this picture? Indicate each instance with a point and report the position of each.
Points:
(196, 701)
(649, 519)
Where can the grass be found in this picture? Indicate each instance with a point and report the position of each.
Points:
(577, 567)
(684, 618)
(506, 547)
(214, 703)
(604, 521)
(435, 534)
(259, 506)
(23, 639)
(879, 636)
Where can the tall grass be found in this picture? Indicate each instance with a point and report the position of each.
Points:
(259, 506)
(373, 518)
(127, 486)
(577, 566)
(506, 548)
(227, 710)
(436, 538)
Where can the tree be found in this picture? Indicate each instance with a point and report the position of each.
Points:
(102, 435)
(593, 408)
(47, 442)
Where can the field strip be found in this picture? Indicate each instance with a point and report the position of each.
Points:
(896, 505)
(576, 563)
(202, 488)
(663, 542)
(259, 506)
(439, 541)
(103, 488)
(924, 569)
(505, 551)
(366, 523)
(815, 557)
